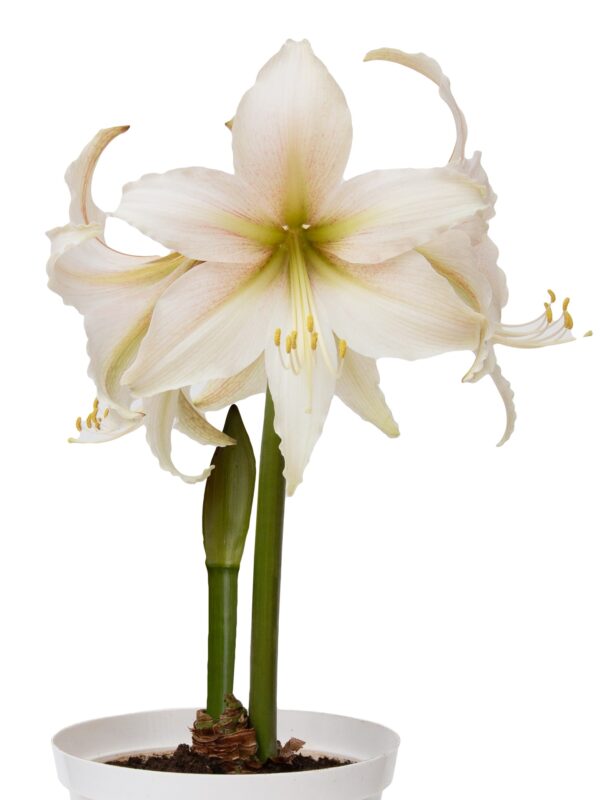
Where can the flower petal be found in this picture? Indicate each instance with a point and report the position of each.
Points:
(195, 425)
(507, 395)
(161, 412)
(358, 388)
(292, 134)
(301, 397)
(83, 210)
(400, 308)
(382, 214)
(217, 394)
(206, 214)
(116, 294)
(211, 323)
(430, 69)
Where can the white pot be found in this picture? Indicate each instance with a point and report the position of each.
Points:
(80, 749)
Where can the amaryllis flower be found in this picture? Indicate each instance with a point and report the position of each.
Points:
(467, 258)
(312, 273)
(116, 294)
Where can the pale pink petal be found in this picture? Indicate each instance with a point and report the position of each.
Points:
(358, 388)
(206, 214)
(211, 323)
(292, 134)
(383, 214)
(400, 308)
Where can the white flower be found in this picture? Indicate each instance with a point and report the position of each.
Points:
(467, 258)
(314, 273)
(116, 294)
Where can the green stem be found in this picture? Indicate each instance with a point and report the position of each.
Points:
(267, 583)
(222, 625)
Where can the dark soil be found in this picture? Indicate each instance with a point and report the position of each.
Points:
(185, 760)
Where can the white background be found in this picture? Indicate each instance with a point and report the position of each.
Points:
(433, 583)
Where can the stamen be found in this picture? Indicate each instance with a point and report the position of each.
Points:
(106, 410)
(568, 320)
(294, 338)
(88, 421)
(78, 424)
(288, 344)
(342, 347)
(314, 340)
(588, 333)
(552, 296)
(96, 404)
(548, 308)
(277, 337)
(566, 302)
(310, 323)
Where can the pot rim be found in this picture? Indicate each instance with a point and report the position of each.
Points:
(382, 755)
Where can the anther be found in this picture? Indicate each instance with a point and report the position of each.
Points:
(552, 296)
(342, 347)
(310, 323)
(78, 424)
(277, 337)
(548, 308)
(96, 404)
(568, 320)
(288, 344)
(588, 333)
(294, 338)
(88, 421)
(106, 410)
(566, 302)
(314, 340)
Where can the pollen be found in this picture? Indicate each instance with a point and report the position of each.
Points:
(314, 340)
(277, 337)
(288, 344)
(552, 296)
(310, 323)
(548, 308)
(342, 347)
(78, 424)
(568, 320)
(566, 302)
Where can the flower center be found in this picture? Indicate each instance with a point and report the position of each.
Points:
(301, 341)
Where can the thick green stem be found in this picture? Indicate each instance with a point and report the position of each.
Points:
(267, 582)
(222, 625)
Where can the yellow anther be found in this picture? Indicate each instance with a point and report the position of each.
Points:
(97, 424)
(88, 421)
(314, 340)
(548, 308)
(552, 296)
(342, 347)
(294, 338)
(288, 344)
(566, 302)
(78, 424)
(96, 404)
(106, 410)
(277, 337)
(568, 321)
(310, 323)
(588, 333)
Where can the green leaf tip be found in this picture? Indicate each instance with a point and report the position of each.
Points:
(228, 496)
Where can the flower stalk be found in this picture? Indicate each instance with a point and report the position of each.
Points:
(225, 521)
(266, 590)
